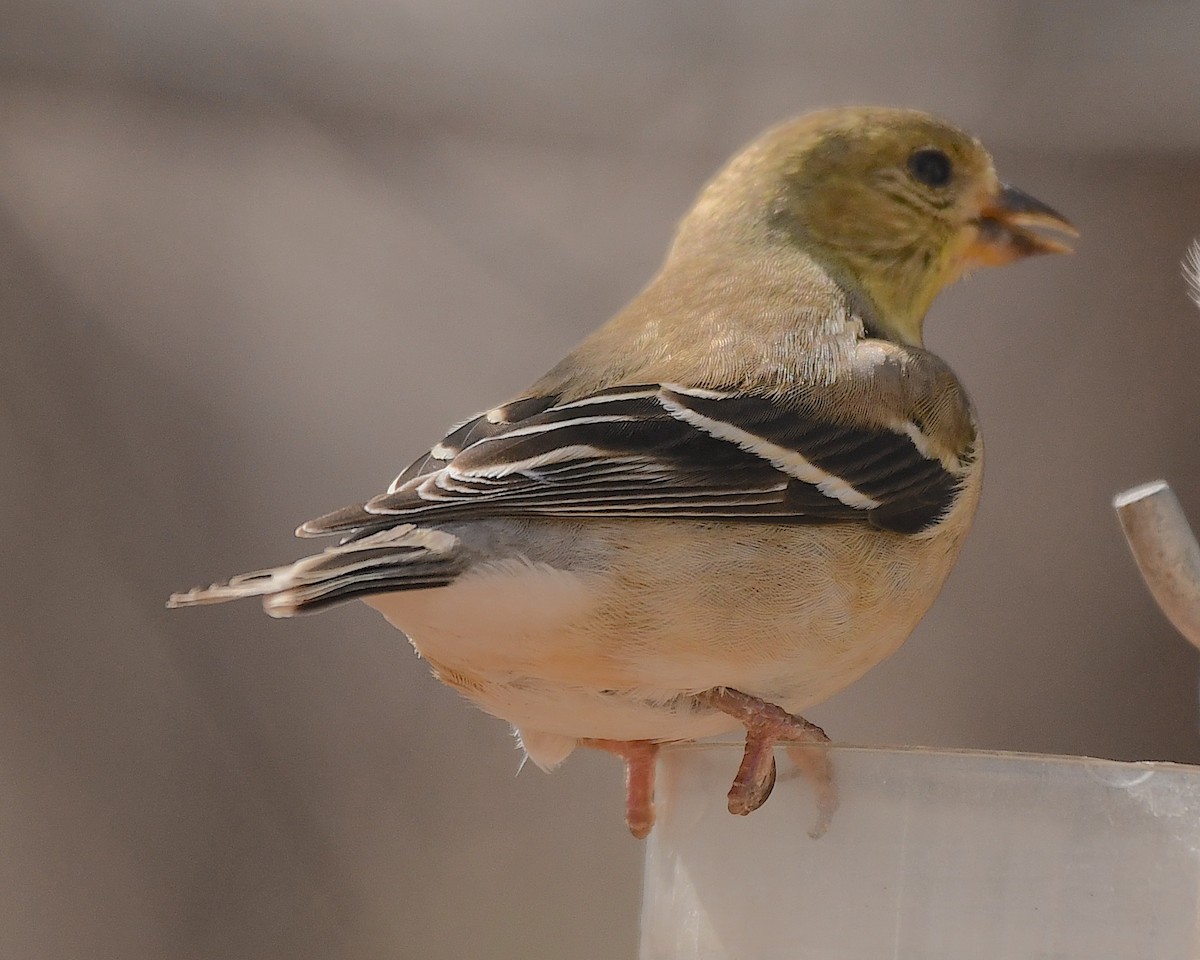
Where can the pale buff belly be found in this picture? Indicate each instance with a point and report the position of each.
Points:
(789, 614)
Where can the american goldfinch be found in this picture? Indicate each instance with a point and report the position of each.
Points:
(732, 499)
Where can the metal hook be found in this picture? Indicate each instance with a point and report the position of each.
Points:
(1166, 552)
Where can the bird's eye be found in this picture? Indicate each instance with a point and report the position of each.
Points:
(930, 167)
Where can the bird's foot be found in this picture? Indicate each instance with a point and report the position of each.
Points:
(640, 757)
(766, 725)
(813, 763)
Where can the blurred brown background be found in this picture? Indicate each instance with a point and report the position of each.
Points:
(256, 254)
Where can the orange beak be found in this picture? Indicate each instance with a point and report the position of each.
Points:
(1003, 229)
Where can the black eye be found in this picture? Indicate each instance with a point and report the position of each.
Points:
(931, 167)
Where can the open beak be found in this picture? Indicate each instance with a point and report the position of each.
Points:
(1003, 229)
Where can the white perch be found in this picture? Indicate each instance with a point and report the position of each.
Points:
(974, 856)
(1166, 552)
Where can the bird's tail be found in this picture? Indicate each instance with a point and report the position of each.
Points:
(406, 557)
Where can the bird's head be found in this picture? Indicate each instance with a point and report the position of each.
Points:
(894, 204)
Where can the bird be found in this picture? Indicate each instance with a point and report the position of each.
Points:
(729, 501)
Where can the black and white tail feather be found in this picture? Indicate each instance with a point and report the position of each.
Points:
(644, 451)
(404, 557)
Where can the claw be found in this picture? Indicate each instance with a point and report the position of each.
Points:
(750, 790)
(766, 725)
(813, 763)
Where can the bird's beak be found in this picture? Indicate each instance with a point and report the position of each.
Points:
(1002, 229)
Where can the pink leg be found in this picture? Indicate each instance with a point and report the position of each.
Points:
(767, 724)
(640, 757)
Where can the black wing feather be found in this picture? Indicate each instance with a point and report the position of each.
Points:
(664, 451)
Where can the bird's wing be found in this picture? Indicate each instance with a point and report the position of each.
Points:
(666, 450)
